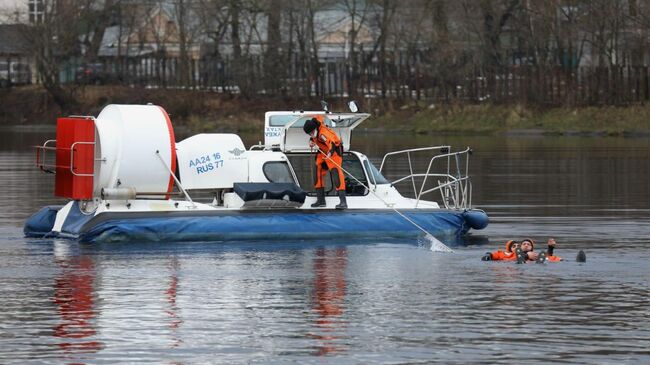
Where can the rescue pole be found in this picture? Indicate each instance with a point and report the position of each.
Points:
(311, 165)
(429, 236)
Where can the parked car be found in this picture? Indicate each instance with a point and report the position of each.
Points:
(14, 73)
(93, 73)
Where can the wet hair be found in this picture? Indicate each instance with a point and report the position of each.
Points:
(509, 245)
(532, 243)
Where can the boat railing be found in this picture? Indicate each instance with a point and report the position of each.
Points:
(41, 152)
(50, 145)
(449, 169)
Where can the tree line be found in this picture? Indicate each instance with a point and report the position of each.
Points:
(471, 50)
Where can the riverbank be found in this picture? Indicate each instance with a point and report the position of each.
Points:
(517, 119)
(200, 111)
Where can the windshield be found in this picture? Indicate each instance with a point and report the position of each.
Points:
(374, 173)
(339, 121)
(282, 120)
(345, 121)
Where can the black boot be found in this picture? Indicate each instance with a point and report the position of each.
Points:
(344, 203)
(320, 198)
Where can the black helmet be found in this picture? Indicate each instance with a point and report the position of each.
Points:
(310, 125)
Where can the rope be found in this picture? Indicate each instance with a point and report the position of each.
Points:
(431, 237)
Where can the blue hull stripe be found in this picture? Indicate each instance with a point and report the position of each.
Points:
(251, 225)
(273, 225)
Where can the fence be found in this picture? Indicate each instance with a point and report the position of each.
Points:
(537, 85)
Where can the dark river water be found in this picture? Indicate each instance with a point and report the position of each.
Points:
(350, 302)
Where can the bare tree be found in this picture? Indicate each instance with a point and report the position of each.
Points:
(384, 11)
(97, 21)
(488, 19)
(604, 24)
(358, 12)
(189, 28)
(303, 45)
(53, 42)
(273, 70)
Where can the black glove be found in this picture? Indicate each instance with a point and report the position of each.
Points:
(487, 257)
(522, 256)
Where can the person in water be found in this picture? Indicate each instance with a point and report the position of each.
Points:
(523, 251)
(329, 157)
(506, 255)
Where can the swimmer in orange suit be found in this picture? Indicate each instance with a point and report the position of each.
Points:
(523, 251)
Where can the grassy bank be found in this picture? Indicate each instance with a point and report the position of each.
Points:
(195, 110)
(206, 111)
(491, 119)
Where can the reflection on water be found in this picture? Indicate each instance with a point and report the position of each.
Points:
(74, 297)
(352, 302)
(329, 298)
(172, 311)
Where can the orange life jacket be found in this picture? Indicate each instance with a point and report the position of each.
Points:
(506, 255)
(503, 256)
(327, 140)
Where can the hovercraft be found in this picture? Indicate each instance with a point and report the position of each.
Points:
(126, 178)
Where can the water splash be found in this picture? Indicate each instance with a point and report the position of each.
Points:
(433, 244)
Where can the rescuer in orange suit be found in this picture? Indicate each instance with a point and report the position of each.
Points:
(330, 157)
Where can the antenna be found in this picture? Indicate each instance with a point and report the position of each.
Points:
(325, 106)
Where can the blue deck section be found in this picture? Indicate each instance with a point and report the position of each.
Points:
(250, 225)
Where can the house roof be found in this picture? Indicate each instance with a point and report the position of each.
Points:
(331, 25)
(13, 40)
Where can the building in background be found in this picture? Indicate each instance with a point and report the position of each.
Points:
(21, 11)
(16, 61)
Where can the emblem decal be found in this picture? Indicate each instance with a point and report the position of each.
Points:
(236, 151)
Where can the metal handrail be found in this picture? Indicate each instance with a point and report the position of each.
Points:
(72, 158)
(40, 151)
(410, 150)
(455, 186)
(448, 155)
(40, 157)
(442, 185)
(408, 155)
(415, 175)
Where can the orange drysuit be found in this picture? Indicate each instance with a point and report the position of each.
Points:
(506, 255)
(329, 143)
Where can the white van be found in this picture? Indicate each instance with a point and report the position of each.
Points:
(14, 73)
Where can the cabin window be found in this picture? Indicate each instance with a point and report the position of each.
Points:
(374, 174)
(354, 186)
(278, 172)
(283, 120)
(304, 167)
(280, 120)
